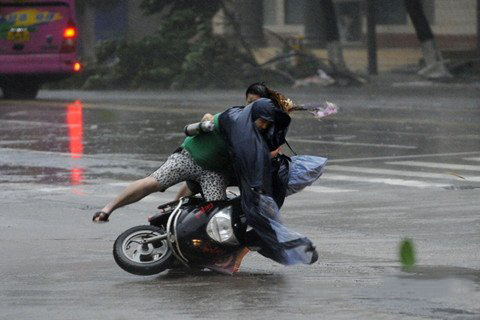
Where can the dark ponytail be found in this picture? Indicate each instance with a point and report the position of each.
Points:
(280, 100)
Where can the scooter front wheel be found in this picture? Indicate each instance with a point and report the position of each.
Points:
(133, 255)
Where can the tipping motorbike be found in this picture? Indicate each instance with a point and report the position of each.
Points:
(196, 234)
(188, 232)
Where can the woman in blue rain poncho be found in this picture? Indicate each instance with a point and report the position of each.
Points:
(251, 133)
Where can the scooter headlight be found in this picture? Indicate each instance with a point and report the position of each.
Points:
(220, 229)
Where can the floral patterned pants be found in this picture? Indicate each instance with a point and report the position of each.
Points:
(180, 166)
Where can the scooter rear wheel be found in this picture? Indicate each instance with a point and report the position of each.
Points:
(142, 259)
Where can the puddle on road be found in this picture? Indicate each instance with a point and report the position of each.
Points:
(79, 131)
(52, 143)
(60, 138)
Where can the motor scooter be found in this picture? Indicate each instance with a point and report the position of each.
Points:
(198, 234)
(189, 232)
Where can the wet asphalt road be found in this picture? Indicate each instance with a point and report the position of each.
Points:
(404, 162)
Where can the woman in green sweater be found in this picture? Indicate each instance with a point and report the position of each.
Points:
(203, 159)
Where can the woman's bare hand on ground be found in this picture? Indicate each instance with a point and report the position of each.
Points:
(100, 216)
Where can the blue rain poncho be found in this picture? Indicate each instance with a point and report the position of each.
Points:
(250, 153)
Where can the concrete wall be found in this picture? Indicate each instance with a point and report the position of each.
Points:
(457, 17)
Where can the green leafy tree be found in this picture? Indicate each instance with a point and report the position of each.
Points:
(153, 61)
(183, 53)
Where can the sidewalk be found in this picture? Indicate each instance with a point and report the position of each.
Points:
(356, 58)
(397, 68)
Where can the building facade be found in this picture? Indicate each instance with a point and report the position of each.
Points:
(454, 22)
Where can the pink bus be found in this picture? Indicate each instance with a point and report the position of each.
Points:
(38, 42)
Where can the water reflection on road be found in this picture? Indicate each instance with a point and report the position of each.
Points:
(83, 140)
(74, 119)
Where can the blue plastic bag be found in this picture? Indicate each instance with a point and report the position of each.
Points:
(304, 170)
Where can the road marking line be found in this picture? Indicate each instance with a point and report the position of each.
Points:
(436, 165)
(393, 182)
(68, 156)
(321, 189)
(417, 174)
(54, 189)
(148, 162)
(119, 184)
(404, 157)
(379, 145)
(33, 123)
(472, 159)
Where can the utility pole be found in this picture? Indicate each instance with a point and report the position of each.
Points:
(478, 24)
(371, 38)
(314, 24)
(87, 31)
(250, 17)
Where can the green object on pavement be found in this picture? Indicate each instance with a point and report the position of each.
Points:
(407, 253)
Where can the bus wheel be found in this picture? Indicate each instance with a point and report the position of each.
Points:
(24, 91)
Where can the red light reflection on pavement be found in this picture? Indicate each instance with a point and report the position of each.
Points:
(76, 176)
(75, 138)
